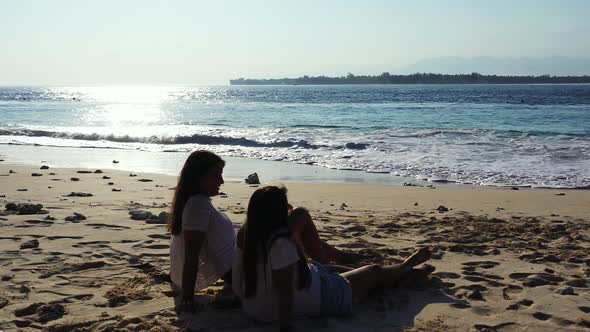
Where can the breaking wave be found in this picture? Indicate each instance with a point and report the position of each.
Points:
(190, 139)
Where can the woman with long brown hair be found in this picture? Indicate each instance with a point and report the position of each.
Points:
(275, 280)
(202, 238)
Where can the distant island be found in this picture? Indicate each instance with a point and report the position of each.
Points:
(418, 78)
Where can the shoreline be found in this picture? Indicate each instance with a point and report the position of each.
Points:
(237, 168)
(518, 259)
(485, 200)
(170, 163)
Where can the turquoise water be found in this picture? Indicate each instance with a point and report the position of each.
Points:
(536, 135)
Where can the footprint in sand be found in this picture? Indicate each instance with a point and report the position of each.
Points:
(489, 279)
(475, 295)
(577, 282)
(21, 323)
(159, 236)
(566, 322)
(3, 302)
(78, 297)
(92, 244)
(536, 279)
(519, 275)
(127, 241)
(509, 290)
(114, 255)
(447, 275)
(541, 315)
(55, 259)
(66, 268)
(42, 312)
(492, 283)
(142, 243)
(481, 311)
(474, 249)
(468, 290)
(86, 283)
(517, 305)
(28, 310)
(461, 305)
(6, 277)
(470, 272)
(534, 257)
(156, 246)
(112, 227)
(482, 264)
(64, 237)
(484, 276)
(356, 228)
(160, 255)
(42, 223)
(35, 236)
(490, 328)
(10, 238)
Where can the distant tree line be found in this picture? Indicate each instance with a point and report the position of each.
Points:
(418, 78)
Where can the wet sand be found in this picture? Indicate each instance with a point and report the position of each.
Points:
(507, 260)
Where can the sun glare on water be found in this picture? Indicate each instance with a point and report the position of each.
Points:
(126, 105)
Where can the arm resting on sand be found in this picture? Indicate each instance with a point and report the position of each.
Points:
(193, 241)
(240, 238)
(283, 282)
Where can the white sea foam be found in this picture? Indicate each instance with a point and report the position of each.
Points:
(485, 143)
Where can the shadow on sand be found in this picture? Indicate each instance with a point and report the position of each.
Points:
(391, 310)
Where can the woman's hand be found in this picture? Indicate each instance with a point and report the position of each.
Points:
(188, 305)
(286, 327)
(193, 241)
(283, 280)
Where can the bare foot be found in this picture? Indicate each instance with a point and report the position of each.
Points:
(427, 268)
(226, 299)
(417, 258)
(416, 278)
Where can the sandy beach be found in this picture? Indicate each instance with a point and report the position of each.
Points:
(506, 260)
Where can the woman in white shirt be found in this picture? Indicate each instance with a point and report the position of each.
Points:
(202, 239)
(275, 281)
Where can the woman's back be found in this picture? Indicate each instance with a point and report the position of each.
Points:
(263, 304)
(218, 249)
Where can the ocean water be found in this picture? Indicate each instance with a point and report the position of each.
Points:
(526, 135)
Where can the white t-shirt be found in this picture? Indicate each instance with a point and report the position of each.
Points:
(217, 252)
(263, 305)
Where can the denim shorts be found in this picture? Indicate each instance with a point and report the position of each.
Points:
(336, 293)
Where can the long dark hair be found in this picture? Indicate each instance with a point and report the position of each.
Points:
(266, 221)
(196, 165)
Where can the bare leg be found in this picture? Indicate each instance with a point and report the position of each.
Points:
(226, 298)
(338, 268)
(367, 278)
(416, 277)
(227, 278)
(307, 236)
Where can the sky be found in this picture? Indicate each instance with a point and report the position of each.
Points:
(73, 42)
